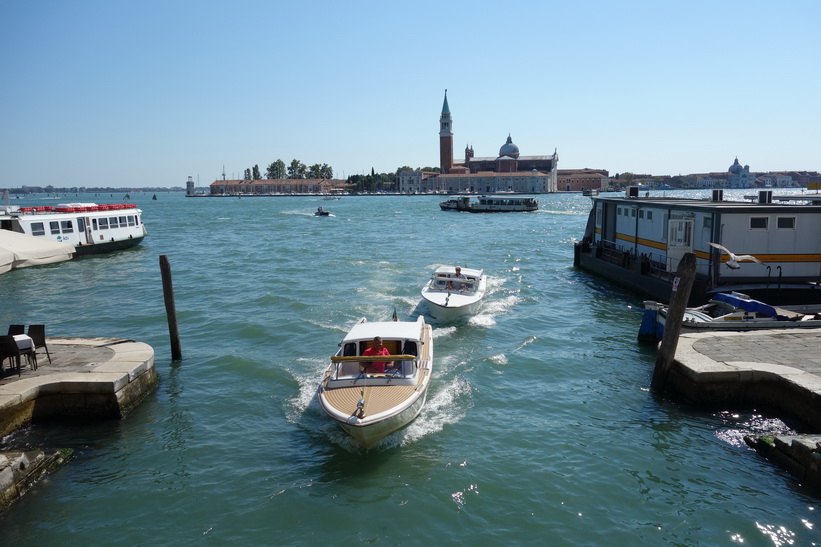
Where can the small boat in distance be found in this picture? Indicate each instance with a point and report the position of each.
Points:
(91, 228)
(451, 294)
(373, 396)
(320, 212)
(727, 312)
(490, 204)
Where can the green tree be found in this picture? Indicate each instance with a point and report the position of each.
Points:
(315, 171)
(247, 175)
(276, 170)
(326, 171)
(255, 173)
(296, 170)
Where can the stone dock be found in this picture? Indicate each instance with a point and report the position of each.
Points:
(779, 370)
(86, 378)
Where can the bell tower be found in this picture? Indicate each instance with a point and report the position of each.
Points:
(445, 138)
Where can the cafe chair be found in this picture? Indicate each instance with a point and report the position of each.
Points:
(16, 329)
(9, 350)
(38, 334)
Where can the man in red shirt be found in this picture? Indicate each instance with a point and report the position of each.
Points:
(376, 349)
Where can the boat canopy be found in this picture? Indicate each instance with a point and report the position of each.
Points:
(21, 250)
(753, 306)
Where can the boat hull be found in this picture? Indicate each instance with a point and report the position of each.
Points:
(449, 313)
(449, 304)
(107, 246)
(370, 434)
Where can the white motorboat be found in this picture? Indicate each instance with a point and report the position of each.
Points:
(373, 396)
(450, 297)
(90, 227)
(727, 312)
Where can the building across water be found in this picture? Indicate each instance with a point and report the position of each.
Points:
(507, 172)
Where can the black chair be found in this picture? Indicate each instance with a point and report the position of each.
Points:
(9, 350)
(38, 334)
(16, 329)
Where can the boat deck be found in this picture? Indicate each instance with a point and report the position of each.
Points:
(377, 398)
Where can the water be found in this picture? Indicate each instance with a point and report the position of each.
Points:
(539, 426)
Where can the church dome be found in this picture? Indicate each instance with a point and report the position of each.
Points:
(509, 149)
(735, 168)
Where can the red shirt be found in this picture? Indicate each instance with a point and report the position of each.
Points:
(376, 366)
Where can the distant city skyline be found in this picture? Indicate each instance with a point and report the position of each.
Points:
(182, 88)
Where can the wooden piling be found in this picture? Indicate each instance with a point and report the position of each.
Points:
(170, 308)
(682, 286)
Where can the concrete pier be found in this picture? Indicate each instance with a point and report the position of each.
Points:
(87, 378)
(776, 369)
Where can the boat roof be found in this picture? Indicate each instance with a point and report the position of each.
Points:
(450, 270)
(778, 202)
(388, 330)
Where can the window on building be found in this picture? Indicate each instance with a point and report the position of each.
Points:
(785, 223)
(38, 229)
(758, 223)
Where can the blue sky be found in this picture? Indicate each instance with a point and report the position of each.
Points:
(147, 93)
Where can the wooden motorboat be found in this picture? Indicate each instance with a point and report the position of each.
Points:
(371, 397)
(727, 312)
(449, 297)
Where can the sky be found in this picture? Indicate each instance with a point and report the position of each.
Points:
(147, 93)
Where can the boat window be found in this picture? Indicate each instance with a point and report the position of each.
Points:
(633, 213)
(94, 223)
(785, 223)
(123, 222)
(112, 222)
(103, 224)
(649, 215)
(67, 226)
(618, 211)
(641, 213)
(707, 223)
(54, 226)
(130, 220)
(38, 229)
(758, 223)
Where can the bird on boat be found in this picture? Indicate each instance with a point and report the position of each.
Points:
(733, 261)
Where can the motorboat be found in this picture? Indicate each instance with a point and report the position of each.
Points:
(91, 228)
(490, 204)
(373, 396)
(320, 212)
(450, 297)
(728, 312)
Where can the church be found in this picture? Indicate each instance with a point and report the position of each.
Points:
(509, 171)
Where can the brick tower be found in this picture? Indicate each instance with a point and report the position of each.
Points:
(445, 139)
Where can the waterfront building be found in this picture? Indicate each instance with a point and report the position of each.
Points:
(508, 171)
(579, 180)
(278, 187)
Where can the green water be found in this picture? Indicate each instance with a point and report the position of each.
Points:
(539, 426)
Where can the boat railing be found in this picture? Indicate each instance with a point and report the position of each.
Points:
(353, 366)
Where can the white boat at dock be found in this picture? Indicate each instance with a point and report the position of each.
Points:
(90, 227)
(449, 297)
(727, 312)
(373, 396)
(490, 204)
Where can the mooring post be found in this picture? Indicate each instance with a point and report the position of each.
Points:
(679, 296)
(170, 308)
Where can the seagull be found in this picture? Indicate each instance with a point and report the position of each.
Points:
(733, 261)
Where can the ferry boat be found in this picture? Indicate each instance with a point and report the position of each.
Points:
(373, 396)
(91, 228)
(490, 204)
(638, 241)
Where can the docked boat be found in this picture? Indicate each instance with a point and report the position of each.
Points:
(91, 228)
(451, 294)
(371, 396)
(490, 204)
(638, 242)
(726, 312)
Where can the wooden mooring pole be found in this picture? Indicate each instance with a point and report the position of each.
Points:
(170, 308)
(679, 296)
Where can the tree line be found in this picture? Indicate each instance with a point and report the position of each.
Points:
(296, 170)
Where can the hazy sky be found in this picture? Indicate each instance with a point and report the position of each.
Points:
(149, 92)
